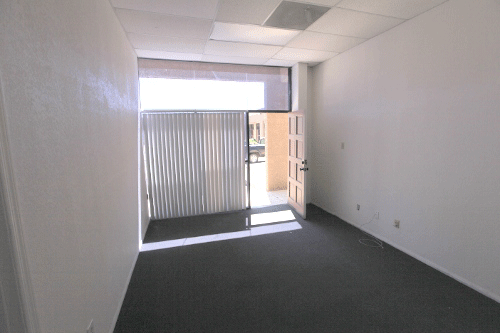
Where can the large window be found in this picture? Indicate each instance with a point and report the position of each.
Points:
(177, 85)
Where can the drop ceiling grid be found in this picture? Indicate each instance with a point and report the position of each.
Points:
(234, 60)
(255, 34)
(349, 23)
(280, 63)
(233, 31)
(164, 24)
(311, 40)
(288, 53)
(189, 8)
(246, 50)
(165, 43)
(393, 8)
(168, 55)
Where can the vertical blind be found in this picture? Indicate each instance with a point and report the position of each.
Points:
(194, 162)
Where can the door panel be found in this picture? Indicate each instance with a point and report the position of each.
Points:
(300, 126)
(297, 164)
(291, 148)
(300, 149)
(299, 174)
(291, 191)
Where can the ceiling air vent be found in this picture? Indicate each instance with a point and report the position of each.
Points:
(295, 15)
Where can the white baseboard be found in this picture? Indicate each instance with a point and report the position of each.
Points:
(115, 318)
(426, 261)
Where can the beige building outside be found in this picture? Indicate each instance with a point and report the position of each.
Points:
(273, 127)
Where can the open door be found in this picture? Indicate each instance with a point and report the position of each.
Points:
(297, 163)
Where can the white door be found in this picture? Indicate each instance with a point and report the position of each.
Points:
(297, 163)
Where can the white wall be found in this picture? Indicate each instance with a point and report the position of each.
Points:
(419, 111)
(11, 314)
(299, 87)
(3, 317)
(144, 201)
(69, 79)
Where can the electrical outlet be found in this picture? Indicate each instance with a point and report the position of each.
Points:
(90, 328)
(376, 215)
(358, 206)
(396, 223)
(342, 145)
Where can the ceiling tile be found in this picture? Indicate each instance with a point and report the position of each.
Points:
(244, 11)
(169, 44)
(168, 55)
(164, 25)
(252, 34)
(232, 49)
(301, 55)
(395, 8)
(350, 23)
(233, 60)
(280, 63)
(325, 42)
(190, 8)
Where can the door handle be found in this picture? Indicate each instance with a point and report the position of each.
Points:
(304, 169)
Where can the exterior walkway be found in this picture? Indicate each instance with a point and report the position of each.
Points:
(259, 197)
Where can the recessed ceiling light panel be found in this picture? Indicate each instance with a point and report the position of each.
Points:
(295, 15)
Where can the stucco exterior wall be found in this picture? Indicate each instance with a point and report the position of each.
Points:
(276, 151)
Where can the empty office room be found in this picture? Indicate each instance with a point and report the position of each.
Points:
(249, 166)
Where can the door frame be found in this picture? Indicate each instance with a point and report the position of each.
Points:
(247, 158)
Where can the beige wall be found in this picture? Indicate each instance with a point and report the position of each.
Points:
(276, 151)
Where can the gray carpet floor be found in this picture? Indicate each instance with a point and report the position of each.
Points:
(315, 279)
